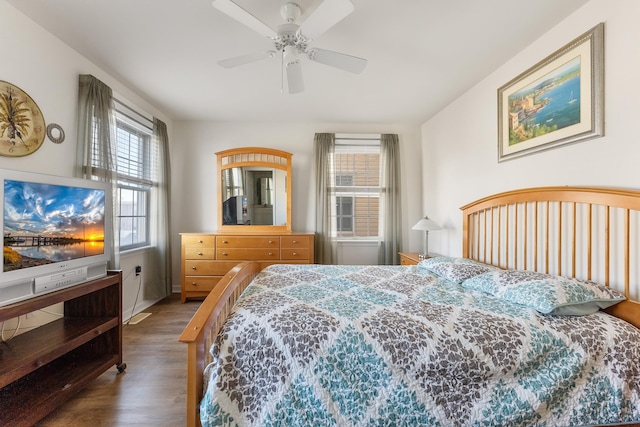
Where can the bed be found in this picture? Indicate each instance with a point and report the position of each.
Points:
(470, 340)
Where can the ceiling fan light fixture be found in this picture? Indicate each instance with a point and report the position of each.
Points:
(290, 55)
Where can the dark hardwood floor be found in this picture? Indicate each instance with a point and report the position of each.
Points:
(152, 390)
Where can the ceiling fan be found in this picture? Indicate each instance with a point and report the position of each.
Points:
(292, 40)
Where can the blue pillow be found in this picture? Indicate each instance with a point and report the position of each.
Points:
(546, 293)
(454, 269)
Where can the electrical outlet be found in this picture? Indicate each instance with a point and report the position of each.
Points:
(138, 270)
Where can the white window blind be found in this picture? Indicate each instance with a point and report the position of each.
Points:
(135, 171)
(355, 177)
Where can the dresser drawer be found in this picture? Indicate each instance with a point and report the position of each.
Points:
(290, 254)
(198, 240)
(200, 283)
(206, 258)
(249, 254)
(191, 252)
(294, 242)
(207, 268)
(271, 242)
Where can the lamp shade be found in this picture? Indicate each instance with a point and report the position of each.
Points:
(426, 224)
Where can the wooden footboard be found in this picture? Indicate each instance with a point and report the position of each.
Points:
(204, 326)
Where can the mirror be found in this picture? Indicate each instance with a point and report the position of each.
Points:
(254, 196)
(255, 193)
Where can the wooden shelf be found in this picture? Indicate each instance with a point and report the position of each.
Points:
(42, 368)
(27, 352)
(53, 384)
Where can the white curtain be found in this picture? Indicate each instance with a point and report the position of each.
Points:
(96, 122)
(160, 286)
(325, 244)
(390, 219)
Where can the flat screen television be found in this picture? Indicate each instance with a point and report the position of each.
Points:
(57, 233)
(235, 210)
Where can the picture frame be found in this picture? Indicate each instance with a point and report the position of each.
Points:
(558, 101)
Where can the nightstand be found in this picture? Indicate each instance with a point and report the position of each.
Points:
(410, 258)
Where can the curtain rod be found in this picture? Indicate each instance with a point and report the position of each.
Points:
(133, 115)
(357, 136)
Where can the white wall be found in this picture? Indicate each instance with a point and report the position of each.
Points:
(194, 170)
(459, 144)
(48, 70)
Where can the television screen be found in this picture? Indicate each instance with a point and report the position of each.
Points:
(46, 223)
(235, 211)
(57, 233)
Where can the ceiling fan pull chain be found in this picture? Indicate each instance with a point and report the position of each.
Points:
(282, 73)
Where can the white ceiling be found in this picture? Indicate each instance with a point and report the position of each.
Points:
(422, 54)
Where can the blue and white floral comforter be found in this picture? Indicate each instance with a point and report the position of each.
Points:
(318, 345)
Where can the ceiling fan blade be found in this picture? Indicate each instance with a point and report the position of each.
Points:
(242, 16)
(328, 14)
(353, 64)
(295, 82)
(246, 59)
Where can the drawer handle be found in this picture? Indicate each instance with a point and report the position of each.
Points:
(224, 254)
(295, 241)
(295, 254)
(200, 253)
(193, 267)
(270, 253)
(200, 241)
(270, 241)
(224, 241)
(194, 283)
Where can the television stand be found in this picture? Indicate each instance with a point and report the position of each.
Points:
(42, 368)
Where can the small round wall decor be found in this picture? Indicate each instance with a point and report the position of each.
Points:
(22, 126)
(55, 133)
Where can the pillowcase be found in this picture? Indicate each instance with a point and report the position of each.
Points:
(546, 293)
(454, 269)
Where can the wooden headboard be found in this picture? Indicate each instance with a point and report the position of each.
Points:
(583, 232)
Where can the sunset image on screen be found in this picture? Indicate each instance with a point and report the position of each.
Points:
(46, 223)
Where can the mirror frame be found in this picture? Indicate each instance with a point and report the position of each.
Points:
(254, 156)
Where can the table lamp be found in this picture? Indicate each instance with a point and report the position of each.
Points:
(427, 225)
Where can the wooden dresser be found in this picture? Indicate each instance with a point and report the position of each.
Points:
(208, 257)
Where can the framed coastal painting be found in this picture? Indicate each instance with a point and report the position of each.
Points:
(558, 101)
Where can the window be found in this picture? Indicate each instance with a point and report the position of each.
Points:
(356, 174)
(233, 183)
(134, 176)
(134, 185)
